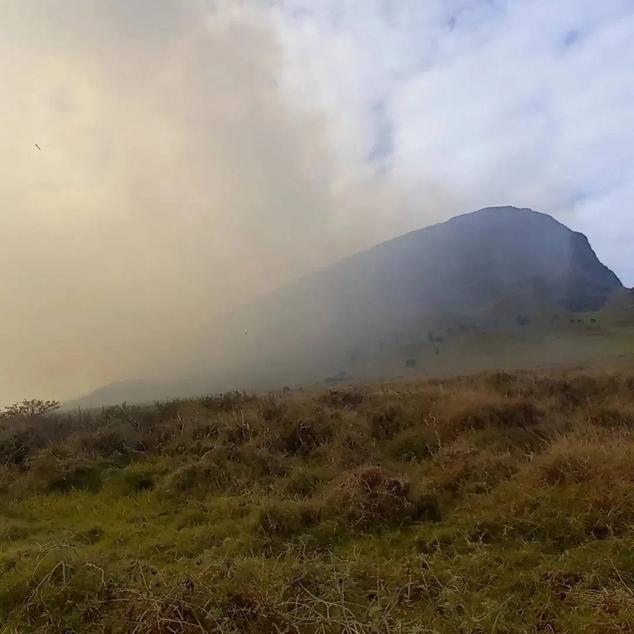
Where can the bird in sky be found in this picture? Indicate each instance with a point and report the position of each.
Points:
(38, 147)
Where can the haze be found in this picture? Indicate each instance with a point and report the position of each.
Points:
(195, 155)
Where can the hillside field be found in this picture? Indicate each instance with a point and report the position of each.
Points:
(499, 502)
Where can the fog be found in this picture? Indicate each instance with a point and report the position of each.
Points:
(198, 155)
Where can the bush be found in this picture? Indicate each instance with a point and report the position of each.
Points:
(134, 479)
(28, 409)
(414, 445)
(227, 402)
(370, 497)
(116, 440)
(286, 519)
(301, 437)
(344, 398)
(463, 468)
(49, 472)
(507, 413)
(386, 422)
(613, 417)
(205, 475)
(303, 482)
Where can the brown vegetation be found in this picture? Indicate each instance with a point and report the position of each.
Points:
(500, 502)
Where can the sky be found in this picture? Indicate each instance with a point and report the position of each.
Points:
(196, 154)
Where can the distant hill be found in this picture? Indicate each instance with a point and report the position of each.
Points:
(498, 267)
(131, 390)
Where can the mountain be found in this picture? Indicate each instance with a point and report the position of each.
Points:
(463, 265)
(495, 265)
(494, 268)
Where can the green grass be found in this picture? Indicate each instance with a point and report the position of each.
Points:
(494, 503)
(602, 338)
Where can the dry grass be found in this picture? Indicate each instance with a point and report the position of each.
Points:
(499, 502)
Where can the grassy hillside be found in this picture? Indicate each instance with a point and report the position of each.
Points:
(499, 340)
(601, 338)
(496, 503)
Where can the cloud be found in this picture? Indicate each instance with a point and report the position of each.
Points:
(174, 181)
(198, 153)
(520, 102)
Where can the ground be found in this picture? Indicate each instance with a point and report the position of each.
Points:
(500, 502)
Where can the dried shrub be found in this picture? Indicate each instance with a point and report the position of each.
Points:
(49, 472)
(205, 475)
(386, 422)
(371, 497)
(504, 414)
(561, 466)
(414, 444)
(286, 519)
(301, 437)
(502, 381)
(611, 417)
(227, 402)
(303, 482)
(463, 468)
(580, 459)
(343, 398)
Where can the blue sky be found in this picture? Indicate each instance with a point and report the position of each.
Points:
(197, 153)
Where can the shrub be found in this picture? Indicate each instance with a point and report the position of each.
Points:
(204, 475)
(612, 417)
(301, 437)
(134, 479)
(506, 413)
(386, 422)
(343, 398)
(49, 472)
(114, 440)
(303, 482)
(286, 519)
(370, 497)
(464, 468)
(29, 409)
(226, 402)
(502, 381)
(568, 462)
(413, 445)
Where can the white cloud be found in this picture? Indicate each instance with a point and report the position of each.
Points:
(519, 102)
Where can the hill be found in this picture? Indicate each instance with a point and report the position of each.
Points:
(463, 266)
(484, 271)
(500, 287)
(492, 503)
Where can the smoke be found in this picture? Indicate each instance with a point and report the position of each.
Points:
(197, 154)
(175, 181)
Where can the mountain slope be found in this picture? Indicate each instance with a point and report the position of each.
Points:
(486, 269)
(465, 263)
(493, 264)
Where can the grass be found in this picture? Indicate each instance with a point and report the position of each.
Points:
(604, 338)
(502, 502)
